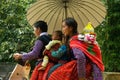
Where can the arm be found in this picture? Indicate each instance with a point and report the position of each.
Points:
(35, 52)
(45, 61)
(51, 43)
(59, 52)
(48, 46)
(81, 61)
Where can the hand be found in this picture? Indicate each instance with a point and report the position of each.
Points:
(41, 68)
(17, 56)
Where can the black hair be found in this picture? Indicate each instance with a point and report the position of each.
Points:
(42, 25)
(59, 34)
(71, 22)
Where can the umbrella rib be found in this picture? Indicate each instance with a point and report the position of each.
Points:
(42, 3)
(37, 11)
(52, 10)
(98, 7)
(59, 15)
(53, 6)
(95, 6)
(53, 14)
(57, 18)
(31, 7)
(89, 11)
(63, 17)
(71, 12)
(40, 10)
(80, 11)
(57, 9)
(39, 2)
(77, 14)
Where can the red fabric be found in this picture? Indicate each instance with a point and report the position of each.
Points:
(88, 69)
(97, 59)
(41, 74)
(48, 52)
(66, 72)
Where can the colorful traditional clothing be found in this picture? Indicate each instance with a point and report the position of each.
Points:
(92, 51)
(53, 45)
(54, 58)
(36, 52)
(42, 74)
(87, 63)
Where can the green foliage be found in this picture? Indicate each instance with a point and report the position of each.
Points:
(15, 32)
(108, 37)
(113, 12)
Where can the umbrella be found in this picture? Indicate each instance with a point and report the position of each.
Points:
(54, 11)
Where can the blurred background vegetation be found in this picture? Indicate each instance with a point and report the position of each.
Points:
(17, 35)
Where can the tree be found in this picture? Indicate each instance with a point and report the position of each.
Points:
(108, 36)
(14, 28)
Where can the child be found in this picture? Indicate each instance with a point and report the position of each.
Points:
(53, 45)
